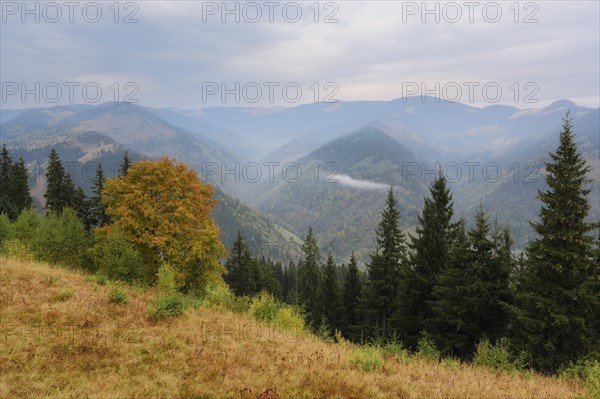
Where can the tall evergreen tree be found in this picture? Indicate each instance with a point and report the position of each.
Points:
(352, 297)
(19, 187)
(331, 296)
(385, 269)
(240, 268)
(61, 191)
(6, 205)
(309, 279)
(125, 164)
(97, 214)
(556, 313)
(290, 286)
(429, 258)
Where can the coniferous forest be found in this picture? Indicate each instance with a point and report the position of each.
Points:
(454, 287)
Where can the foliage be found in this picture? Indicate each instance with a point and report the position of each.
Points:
(426, 348)
(368, 358)
(116, 294)
(62, 239)
(165, 306)
(496, 356)
(118, 259)
(164, 210)
(309, 279)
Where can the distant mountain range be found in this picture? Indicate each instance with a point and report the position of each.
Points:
(279, 171)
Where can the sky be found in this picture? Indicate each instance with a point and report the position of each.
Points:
(193, 55)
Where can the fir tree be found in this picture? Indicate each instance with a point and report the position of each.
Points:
(331, 296)
(6, 205)
(385, 269)
(556, 315)
(61, 191)
(429, 258)
(352, 297)
(125, 164)
(97, 209)
(19, 187)
(309, 279)
(240, 268)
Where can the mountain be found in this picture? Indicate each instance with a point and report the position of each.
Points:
(112, 129)
(342, 191)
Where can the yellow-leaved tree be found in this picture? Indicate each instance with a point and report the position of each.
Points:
(163, 209)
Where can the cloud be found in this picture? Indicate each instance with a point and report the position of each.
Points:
(346, 180)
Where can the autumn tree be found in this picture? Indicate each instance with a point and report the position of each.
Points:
(164, 210)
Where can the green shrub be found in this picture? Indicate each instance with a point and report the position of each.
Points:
(5, 231)
(368, 358)
(220, 296)
(450, 363)
(264, 307)
(496, 356)
(17, 249)
(289, 318)
(592, 379)
(25, 227)
(394, 348)
(101, 279)
(62, 239)
(116, 294)
(167, 278)
(65, 293)
(165, 306)
(118, 259)
(427, 348)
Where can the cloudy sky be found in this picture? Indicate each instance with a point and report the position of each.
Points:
(192, 54)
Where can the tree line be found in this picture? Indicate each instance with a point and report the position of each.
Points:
(458, 286)
(448, 283)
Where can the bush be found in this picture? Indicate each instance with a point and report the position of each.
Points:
(427, 348)
(25, 227)
(289, 319)
(118, 259)
(368, 358)
(65, 293)
(394, 349)
(17, 249)
(264, 307)
(5, 231)
(588, 371)
(220, 296)
(496, 356)
(62, 239)
(116, 294)
(166, 306)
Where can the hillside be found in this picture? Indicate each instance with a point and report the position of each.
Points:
(80, 345)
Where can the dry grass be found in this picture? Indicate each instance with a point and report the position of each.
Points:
(85, 346)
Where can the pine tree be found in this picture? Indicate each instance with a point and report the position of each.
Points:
(385, 269)
(450, 326)
(19, 187)
(331, 296)
(429, 258)
(309, 279)
(240, 268)
(555, 315)
(290, 286)
(125, 164)
(352, 297)
(97, 210)
(61, 191)
(6, 205)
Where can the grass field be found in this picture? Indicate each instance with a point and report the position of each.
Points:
(61, 336)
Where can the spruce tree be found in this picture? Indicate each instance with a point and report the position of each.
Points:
(352, 297)
(385, 269)
(97, 214)
(429, 258)
(19, 187)
(240, 268)
(125, 164)
(309, 279)
(331, 296)
(6, 205)
(555, 316)
(60, 190)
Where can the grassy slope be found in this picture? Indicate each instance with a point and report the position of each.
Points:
(85, 346)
